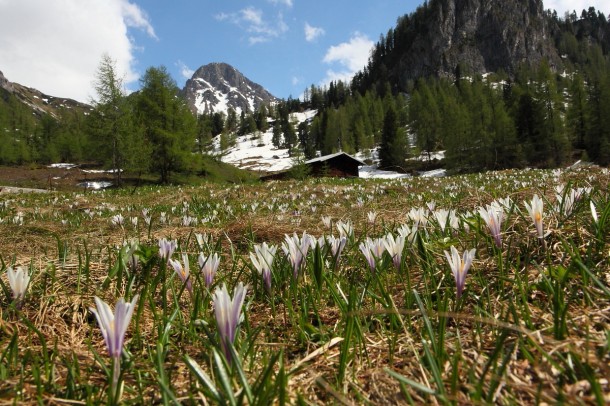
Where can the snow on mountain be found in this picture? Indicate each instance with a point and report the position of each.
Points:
(216, 87)
(256, 152)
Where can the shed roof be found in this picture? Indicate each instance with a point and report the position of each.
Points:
(331, 156)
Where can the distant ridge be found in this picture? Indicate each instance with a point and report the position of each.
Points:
(37, 101)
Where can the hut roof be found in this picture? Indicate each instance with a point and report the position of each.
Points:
(331, 156)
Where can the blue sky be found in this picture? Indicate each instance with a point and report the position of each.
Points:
(284, 45)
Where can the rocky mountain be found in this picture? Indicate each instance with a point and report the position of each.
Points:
(37, 101)
(447, 37)
(216, 87)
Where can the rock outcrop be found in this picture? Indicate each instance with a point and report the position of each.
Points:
(444, 37)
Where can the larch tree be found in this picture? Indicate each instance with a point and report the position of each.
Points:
(112, 121)
(168, 124)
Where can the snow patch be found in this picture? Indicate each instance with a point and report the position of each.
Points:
(62, 165)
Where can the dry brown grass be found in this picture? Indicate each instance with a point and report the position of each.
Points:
(59, 300)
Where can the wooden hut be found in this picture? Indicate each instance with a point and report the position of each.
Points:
(339, 165)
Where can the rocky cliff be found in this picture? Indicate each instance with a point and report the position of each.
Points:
(469, 36)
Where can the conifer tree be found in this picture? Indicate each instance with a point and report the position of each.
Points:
(112, 121)
(168, 123)
(276, 139)
(392, 151)
(577, 112)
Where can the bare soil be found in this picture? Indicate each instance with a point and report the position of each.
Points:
(42, 177)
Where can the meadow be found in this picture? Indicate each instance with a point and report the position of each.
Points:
(486, 288)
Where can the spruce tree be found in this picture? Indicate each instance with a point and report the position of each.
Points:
(392, 151)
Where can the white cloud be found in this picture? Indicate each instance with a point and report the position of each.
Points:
(351, 57)
(56, 46)
(312, 33)
(185, 71)
(561, 6)
(287, 3)
(252, 20)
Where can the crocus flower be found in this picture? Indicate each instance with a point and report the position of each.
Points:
(409, 233)
(442, 217)
(419, 217)
(183, 271)
(296, 249)
(208, 267)
(132, 258)
(262, 259)
(460, 266)
(336, 245)
(593, 211)
(117, 220)
(535, 210)
(167, 248)
(18, 280)
(372, 251)
(346, 229)
(493, 216)
(202, 239)
(113, 327)
(371, 216)
(394, 247)
(228, 314)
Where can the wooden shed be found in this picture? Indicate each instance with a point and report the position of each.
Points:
(340, 165)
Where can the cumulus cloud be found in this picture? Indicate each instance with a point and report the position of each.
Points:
(56, 47)
(561, 6)
(252, 20)
(350, 56)
(312, 33)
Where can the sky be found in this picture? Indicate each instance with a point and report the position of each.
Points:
(286, 46)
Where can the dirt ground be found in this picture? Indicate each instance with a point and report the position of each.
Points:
(42, 177)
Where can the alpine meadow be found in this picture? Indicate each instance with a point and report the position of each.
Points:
(212, 244)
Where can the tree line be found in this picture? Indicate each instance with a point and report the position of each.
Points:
(150, 131)
(538, 118)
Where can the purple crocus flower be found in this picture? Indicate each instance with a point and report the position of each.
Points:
(262, 259)
(167, 248)
(460, 266)
(394, 247)
(372, 251)
(113, 327)
(493, 216)
(296, 249)
(228, 314)
(183, 271)
(208, 267)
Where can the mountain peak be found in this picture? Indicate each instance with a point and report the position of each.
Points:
(218, 86)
